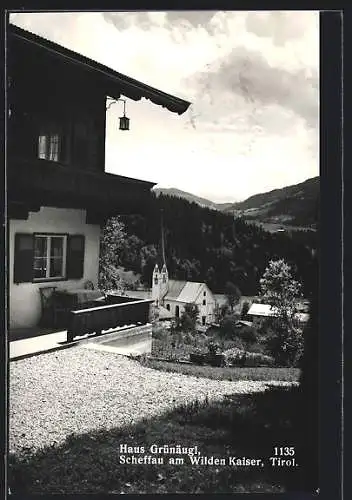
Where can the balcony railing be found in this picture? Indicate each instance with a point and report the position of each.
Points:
(117, 312)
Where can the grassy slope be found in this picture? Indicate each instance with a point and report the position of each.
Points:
(244, 425)
(228, 373)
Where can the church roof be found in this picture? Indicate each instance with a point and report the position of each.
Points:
(175, 288)
(183, 291)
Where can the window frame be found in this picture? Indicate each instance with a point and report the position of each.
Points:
(48, 236)
(49, 126)
(49, 141)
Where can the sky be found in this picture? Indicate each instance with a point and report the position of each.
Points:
(252, 78)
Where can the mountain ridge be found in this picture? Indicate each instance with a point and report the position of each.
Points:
(291, 206)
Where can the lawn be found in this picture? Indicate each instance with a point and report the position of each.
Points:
(71, 410)
(240, 426)
(226, 373)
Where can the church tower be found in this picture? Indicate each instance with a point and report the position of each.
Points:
(164, 281)
(156, 285)
(160, 279)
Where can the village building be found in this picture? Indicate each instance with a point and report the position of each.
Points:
(173, 295)
(259, 312)
(58, 192)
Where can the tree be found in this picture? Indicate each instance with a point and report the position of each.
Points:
(111, 243)
(280, 290)
(228, 326)
(189, 317)
(233, 294)
(245, 309)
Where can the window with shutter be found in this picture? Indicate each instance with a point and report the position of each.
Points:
(24, 253)
(75, 256)
(48, 257)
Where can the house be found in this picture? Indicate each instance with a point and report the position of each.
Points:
(260, 312)
(58, 192)
(174, 295)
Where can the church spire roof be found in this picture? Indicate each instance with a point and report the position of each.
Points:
(163, 239)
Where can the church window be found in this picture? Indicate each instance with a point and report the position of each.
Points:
(168, 307)
(204, 302)
(156, 280)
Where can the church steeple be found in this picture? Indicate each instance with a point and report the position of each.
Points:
(164, 275)
(163, 239)
(160, 283)
(156, 283)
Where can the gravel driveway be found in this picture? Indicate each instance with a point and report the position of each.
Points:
(77, 390)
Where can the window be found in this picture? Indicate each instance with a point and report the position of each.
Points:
(204, 302)
(49, 146)
(49, 256)
(164, 278)
(203, 320)
(168, 307)
(204, 294)
(155, 280)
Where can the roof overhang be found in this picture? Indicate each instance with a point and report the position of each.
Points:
(115, 83)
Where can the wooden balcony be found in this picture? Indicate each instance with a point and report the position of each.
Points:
(34, 183)
(116, 312)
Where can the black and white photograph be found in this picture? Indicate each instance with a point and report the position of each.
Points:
(163, 198)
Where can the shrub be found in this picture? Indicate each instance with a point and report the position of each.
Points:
(189, 338)
(159, 332)
(248, 334)
(228, 326)
(241, 357)
(234, 343)
(245, 309)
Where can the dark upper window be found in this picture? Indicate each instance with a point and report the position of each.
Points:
(49, 146)
(204, 302)
(204, 294)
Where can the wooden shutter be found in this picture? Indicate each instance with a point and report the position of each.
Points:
(24, 255)
(75, 256)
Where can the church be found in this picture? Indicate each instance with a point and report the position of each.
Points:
(171, 296)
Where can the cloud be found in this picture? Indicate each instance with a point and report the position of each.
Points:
(247, 74)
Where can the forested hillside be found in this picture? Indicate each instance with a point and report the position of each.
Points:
(297, 205)
(207, 245)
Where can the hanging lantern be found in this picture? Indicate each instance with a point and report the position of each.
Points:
(124, 121)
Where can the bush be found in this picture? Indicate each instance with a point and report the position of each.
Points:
(189, 338)
(228, 326)
(159, 332)
(240, 357)
(234, 343)
(248, 334)
(245, 309)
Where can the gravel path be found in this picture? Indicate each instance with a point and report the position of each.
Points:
(77, 390)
